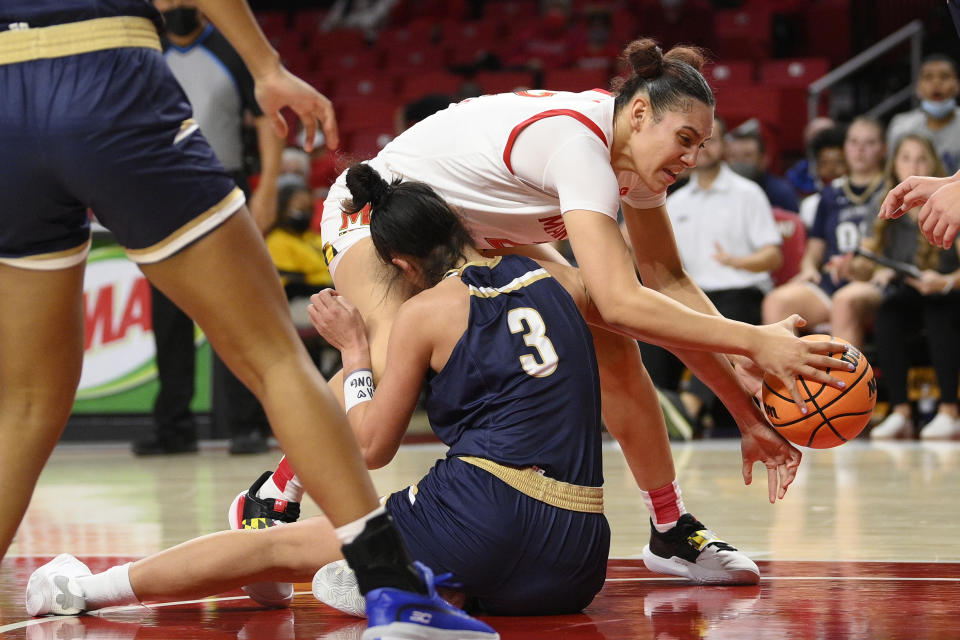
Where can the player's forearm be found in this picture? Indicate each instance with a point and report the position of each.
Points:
(766, 258)
(236, 22)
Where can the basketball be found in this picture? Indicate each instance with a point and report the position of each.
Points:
(834, 416)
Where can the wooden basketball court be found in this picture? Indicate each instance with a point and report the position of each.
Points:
(864, 547)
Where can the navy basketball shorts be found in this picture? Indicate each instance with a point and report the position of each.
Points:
(512, 554)
(110, 131)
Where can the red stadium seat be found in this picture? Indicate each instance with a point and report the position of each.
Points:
(416, 34)
(730, 72)
(794, 72)
(366, 143)
(794, 235)
(366, 113)
(418, 85)
(744, 33)
(413, 58)
(576, 79)
(503, 81)
(352, 86)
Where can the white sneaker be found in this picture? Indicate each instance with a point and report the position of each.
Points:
(692, 551)
(894, 426)
(336, 585)
(942, 427)
(53, 588)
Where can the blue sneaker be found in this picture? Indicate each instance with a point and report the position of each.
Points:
(394, 613)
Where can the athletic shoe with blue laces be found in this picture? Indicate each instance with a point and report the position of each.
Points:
(401, 615)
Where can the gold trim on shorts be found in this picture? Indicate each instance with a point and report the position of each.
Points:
(73, 38)
(52, 261)
(529, 482)
(191, 231)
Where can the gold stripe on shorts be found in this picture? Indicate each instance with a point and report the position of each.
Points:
(73, 38)
(562, 495)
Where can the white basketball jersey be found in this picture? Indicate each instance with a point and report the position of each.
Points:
(464, 153)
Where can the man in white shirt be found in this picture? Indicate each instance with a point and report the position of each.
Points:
(729, 244)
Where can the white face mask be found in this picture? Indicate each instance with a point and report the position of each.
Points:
(938, 109)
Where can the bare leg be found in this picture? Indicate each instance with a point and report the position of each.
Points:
(41, 351)
(631, 410)
(230, 559)
(227, 283)
(795, 298)
(854, 308)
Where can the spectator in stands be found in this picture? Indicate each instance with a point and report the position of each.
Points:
(363, 15)
(803, 174)
(296, 251)
(220, 89)
(729, 244)
(294, 161)
(827, 153)
(746, 154)
(847, 208)
(937, 117)
(931, 302)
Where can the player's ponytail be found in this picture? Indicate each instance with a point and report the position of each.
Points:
(408, 219)
(669, 79)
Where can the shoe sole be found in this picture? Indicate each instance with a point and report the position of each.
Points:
(274, 595)
(324, 591)
(696, 574)
(410, 631)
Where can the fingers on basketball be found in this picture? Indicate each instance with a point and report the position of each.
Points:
(834, 416)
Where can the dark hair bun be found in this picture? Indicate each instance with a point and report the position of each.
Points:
(693, 56)
(366, 186)
(645, 58)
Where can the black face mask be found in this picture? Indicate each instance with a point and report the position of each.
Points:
(298, 221)
(181, 21)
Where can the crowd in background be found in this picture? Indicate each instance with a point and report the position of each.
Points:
(761, 245)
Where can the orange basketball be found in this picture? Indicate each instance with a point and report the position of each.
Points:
(833, 415)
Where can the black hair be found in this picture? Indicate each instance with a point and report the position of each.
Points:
(670, 79)
(830, 137)
(941, 57)
(408, 219)
(421, 108)
(752, 134)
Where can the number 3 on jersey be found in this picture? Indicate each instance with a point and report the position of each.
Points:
(528, 322)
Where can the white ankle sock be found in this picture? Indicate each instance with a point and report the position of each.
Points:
(349, 532)
(284, 484)
(108, 589)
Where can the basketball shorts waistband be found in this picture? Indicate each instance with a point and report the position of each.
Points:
(74, 38)
(556, 493)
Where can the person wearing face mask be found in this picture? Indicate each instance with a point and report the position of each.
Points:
(746, 155)
(296, 251)
(220, 89)
(937, 116)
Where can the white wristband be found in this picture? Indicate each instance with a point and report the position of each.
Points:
(357, 388)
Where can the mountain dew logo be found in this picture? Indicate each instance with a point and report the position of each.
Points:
(119, 351)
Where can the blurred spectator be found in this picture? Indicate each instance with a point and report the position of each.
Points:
(803, 174)
(827, 153)
(729, 244)
(296, 251)
(746, 154)
(931, 302)
(847, 208)
(937, 116)
(220, 89)
(295, 161)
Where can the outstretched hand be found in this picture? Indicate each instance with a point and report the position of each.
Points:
(912, 192)
(939, 218)
(762, 444)
(280, 88)
(780, 353)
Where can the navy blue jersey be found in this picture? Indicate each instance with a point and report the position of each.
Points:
(844, 216)
(43, 13)
(521, 386)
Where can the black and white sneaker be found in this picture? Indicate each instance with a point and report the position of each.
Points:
(247, 511)
(692, 551)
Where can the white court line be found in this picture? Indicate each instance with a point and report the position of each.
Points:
(821, 578)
